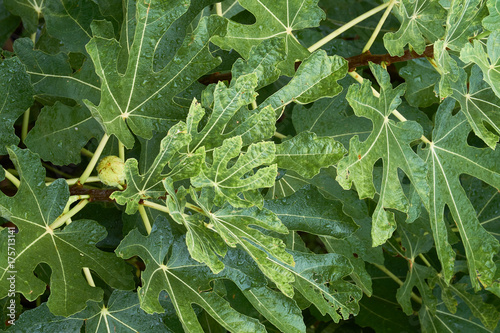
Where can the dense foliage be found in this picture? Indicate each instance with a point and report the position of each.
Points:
(277, 165)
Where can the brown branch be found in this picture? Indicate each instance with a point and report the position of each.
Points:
(354, 62)
(95, 194)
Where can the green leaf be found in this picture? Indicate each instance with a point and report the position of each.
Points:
(169, 268)
(479, 104)
(280, 310)
(382, 312)
(420, 78)
(273, 20)
(263, 60)
(327, 111)
(41, 319)
(142, 99)
(222, 123)
(421, 22)
(286, 184)
(8, 23)
(488, 62)
(307, 210)
(16, 95)
(318, 277)
(306, 154)
(461, 319)
(315, 78)
(148, 185)
(32, 210)
(448, 157)
(203, 243)
(121, 313)
(52, 74)
(229, 180)
(463, 22)
(389, 141)
(69, 21)
(492, 22)
(416, 276)
(233, 225)
(29, 11)
(61, 141)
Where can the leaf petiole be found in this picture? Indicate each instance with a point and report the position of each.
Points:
(398, 281)
(12, 178)
(379, 26)
(395, 112)
(64, 217)
(90, 167)
(347, 26)
(145, 218)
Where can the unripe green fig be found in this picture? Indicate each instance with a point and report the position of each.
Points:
(111, 171)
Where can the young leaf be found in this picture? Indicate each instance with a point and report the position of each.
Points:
(272, 21)
(169, 268)
(421, 22)
(228, 183)
(463, 21)
(492, 22)
(315, 78)
(318, 277)
(233, 225)
(263, 60)
(280, 310)
(16, 95)
(448, 157)
(391, 142)
(479, 104)
(203, 243)
(142, 99)
(148, 185)
(488, 62)
(306, 154)
(227, 101)
(32, 210)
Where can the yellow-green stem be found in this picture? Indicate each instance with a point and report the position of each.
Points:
(379, 26)
(218, 8)
(395, 112)
(145, 219)
(12, 178)
(73, 181)
(55, 170)
(279, 135)
(254, 105)
(121, 151)
(26, 122)
(397, 280)
(424, 259)
(94, 159)
(88, 276)
(87, 152)
(64, 217)
(155, 206)
(347, 26)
